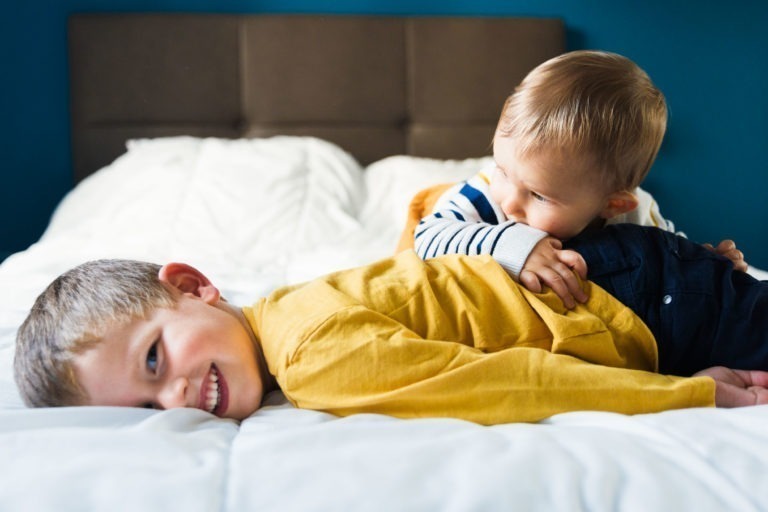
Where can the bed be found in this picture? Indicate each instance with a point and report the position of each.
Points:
(266, 150)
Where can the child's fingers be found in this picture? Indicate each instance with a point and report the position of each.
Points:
(738, 388)
(535, 281)
(575, 261)
(531, 281)
(563, 282)
(725, 246)
(728, 395)
(753, 377)
(736, 257)
(572, 283)
(572, 261)
(548, 265)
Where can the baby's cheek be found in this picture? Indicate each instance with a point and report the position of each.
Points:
(548, 224)
(496, 194)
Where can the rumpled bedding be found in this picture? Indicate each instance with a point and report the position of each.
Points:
(257, 214)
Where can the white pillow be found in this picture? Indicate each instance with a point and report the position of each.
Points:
(140, 191)
(228, 202)
(392, 182)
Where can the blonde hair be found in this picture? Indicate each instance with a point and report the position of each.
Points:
(591, 104)
(71, 315)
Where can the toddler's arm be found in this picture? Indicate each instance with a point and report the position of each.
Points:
(467, 221)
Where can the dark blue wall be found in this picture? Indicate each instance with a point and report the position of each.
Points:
(710, 58)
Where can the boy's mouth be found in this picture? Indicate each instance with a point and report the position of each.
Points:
(214, 392)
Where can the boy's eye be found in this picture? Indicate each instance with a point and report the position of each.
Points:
(538, 197)
(152, 358)
(149, 405)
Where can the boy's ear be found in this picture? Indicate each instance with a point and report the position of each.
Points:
(188, 279)
(618, 203)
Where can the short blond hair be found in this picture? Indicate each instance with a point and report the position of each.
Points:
(597, 104)
(71, 315)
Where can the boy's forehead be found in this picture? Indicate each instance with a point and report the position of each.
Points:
(112, 345)
(572, 157)
(95, 372)
(105, 371)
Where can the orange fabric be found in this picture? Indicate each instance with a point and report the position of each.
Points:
(421, 205)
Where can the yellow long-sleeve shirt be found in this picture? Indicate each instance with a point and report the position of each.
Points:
(456, 337)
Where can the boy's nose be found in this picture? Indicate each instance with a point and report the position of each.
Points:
(512, 210)
(174, 393)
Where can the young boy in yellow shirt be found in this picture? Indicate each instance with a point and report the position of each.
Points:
(450, 337)
(573, 143)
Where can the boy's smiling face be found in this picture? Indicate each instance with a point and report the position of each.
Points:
(199, 354)
(550, 191)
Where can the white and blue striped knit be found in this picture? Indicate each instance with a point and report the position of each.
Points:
(467, 221)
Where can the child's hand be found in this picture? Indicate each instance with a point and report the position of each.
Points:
(737, 388)
(550, 265)
(728, 249)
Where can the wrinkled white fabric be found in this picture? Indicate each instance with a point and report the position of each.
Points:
(256, 214)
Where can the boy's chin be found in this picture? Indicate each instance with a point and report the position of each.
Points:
(240, 416)
(242, 413)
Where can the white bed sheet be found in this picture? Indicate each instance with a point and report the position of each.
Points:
(302, 207)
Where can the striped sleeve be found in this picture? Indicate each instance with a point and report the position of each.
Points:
(467, 221)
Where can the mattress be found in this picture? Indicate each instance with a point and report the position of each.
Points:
(255, 214)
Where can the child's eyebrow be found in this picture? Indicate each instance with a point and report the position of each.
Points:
(542, 188)
(139, 338)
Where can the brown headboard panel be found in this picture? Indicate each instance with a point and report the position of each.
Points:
(377, 86)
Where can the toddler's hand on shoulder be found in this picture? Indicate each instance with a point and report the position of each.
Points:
(550, 265)
(727, 248)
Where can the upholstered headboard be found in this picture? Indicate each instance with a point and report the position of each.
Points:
(376, 86)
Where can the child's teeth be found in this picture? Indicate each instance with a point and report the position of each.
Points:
(211, 399)
(212, 395)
